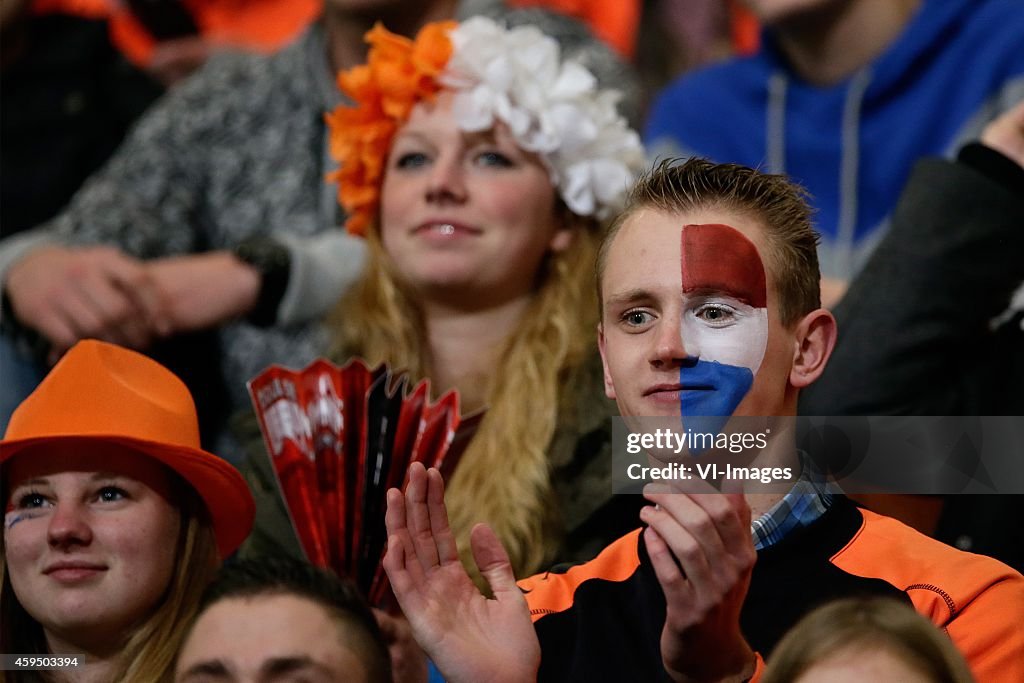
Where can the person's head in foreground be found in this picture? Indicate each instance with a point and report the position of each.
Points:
(115, 518)
(275, 618)
(869, 639)
(709, 289)
(479, 162)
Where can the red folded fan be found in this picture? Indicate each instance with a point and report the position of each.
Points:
(338, 439)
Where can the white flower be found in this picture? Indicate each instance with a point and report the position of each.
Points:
(552, 108)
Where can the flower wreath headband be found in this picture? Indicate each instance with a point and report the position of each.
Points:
(516, 76)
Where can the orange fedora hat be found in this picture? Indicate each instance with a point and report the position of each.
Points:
(102, 393)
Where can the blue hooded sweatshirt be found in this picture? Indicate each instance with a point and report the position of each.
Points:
(956, 65)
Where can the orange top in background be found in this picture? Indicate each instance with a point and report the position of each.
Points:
(258, 25)
(746, 31)
(614, 21)
(89, 9)
(617, 22)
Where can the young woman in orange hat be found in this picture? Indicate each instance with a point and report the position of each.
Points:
(480, 163)
(115, 518)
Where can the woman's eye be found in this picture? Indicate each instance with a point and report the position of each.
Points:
(411, 160)
(493, 158)
(110, 494)
(31, 500)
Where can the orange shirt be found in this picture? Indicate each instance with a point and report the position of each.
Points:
(258, 25)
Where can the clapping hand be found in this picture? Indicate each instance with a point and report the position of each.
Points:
(469, 637)
(703, 556)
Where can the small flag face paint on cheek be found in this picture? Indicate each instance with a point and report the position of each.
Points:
(14, 514)
(13, 517)
(724, 324)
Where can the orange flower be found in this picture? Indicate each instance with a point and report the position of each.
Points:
(432, 49)
(398, 74)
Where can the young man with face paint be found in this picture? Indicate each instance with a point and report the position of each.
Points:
(722, 316)
(709, 306)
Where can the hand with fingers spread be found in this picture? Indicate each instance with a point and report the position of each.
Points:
(703, 556)
(469, 637)
(69, 294)
(204, 290)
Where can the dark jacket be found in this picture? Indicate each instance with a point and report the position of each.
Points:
(916, 330)
(602, 621)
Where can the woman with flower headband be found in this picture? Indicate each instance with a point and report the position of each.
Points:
(479, 164)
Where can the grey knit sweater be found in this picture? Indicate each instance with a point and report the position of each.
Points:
(234, 152)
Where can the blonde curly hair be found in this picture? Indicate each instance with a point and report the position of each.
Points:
(503, 478)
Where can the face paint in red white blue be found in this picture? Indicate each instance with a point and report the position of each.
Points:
(724, 324)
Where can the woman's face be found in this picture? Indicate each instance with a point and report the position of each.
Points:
(466, 213)
(90, 541)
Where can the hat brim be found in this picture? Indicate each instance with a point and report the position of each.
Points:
(221, 487)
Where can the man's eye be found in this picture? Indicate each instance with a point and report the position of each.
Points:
(715, 314)
(110, 494)
(637, 318)
(411, 160)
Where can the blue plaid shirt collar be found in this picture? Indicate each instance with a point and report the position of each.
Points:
(800, 507)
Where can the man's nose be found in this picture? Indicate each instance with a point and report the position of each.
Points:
(69, 525)
(447, 182)
(669, 348)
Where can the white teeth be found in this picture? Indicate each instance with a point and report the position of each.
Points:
(446, 229)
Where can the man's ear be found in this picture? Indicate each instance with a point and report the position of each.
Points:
(609, 388)
(815, 337)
